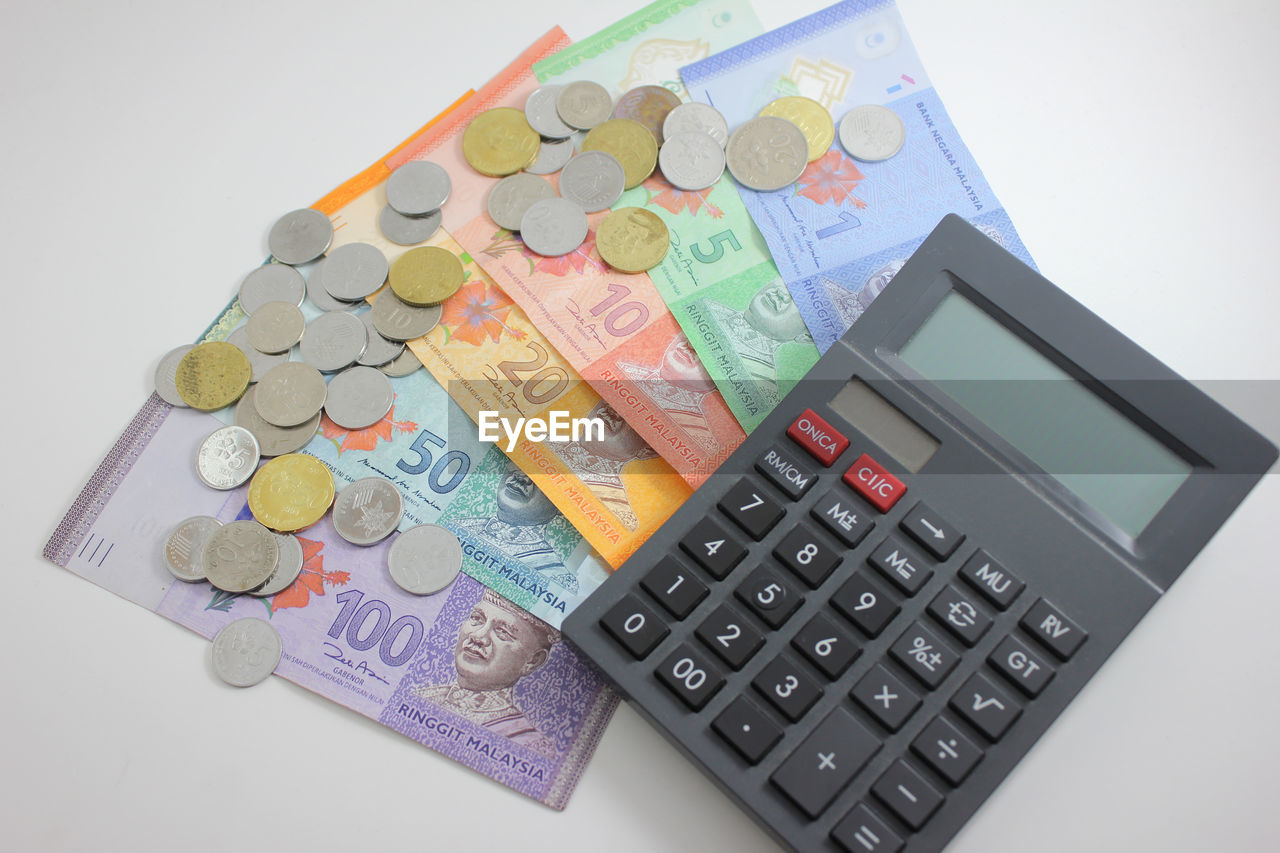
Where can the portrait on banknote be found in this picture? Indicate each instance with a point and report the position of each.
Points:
(599, 463)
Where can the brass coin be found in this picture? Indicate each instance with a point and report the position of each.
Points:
(500, 142)
(426, 276)
(291, 492)
(630, 143)
(632, 239)
(808, 115)
(214, 374)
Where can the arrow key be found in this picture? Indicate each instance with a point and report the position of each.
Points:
(934, 533)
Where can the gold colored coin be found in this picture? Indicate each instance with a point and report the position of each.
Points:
(810, 116)
(212, 375)
(632, 239)
(630, 143)
(291, 492)
(426, 276)
(500, 142)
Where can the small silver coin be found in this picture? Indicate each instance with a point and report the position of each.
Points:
(379, 350)
(584, 104)
(227, 458)
(368, 511)
(275, 327)
(872, 133)
(288, 567)
(424, 559)
(166, 370)
(553, 226)
(274, 440)
(271, 283)
(694, 117)
(397, 321)
(354, 271)
(359, 397)
(316, 291)
(259, 362)
(408, 230)
(593, 180)
(418, 187)
(691, 160)
(767, 153)
(240, 556)
(300, 236)
(333, 340)
(246, 651)
(510, 197)
(404, 364)
(184, 549)
(552, 156)
(540, 111)
(290, 394)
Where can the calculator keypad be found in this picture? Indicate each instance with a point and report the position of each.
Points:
(895, 561)
(825, 762)
(807, 555)
(713, 548)
(830, 648)
(634, 624)
(886, 697)
(730, 636)
(769, 596)
(907, 794)
(747, 729)
(690, 675)
(751, 507)
(787, 687)
(864, 603)
(675, 587)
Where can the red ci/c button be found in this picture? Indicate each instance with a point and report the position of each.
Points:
(818, 437)
(874, 483)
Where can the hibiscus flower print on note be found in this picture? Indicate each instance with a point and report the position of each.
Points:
(478, 312)
(833, 177)
(573, 262)
(311, 581)
(675, 200)
(367, 438)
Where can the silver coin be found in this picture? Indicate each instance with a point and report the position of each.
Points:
(397, 321)
(424, 559)
(259, 362)
(552, 156)
(691, 160)
(300, 236)
(274, 440)
(553, 226)
(418, 187)
(694, 117)
(359, 397)
(227, 458)
(316, 291)
(510, 197)
(166, 370)
(584, 104)
(240, 555)
(271, 283)
(290, 394)
(275, 327)
(872, 133)
(767, 153)
(540, 111)
(379, 350)
(404, 364)
(408, 230)
(333, 340)
(593, 180)
(184, 549)
(288, 567)
(368, 511)
(246, 651)
(354, 271)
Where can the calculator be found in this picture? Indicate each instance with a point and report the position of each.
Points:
(862, 621)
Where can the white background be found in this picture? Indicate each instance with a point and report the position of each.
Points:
(146, 148)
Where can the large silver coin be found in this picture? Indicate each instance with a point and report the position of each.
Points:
(694, 117)
(593, 180)
(584, 104)
(552, 156)
(553, 226)
(424, 559)
(275, 327)
(246, 651)
(316, 291)
(691, 160)
(227, 458)
(767, 153)
(408, 230)
(404, 364)
(166, 370)
(259, 362)
(274, 440)
(288, 567)
(368, 511)
(379, 350)
(397, 321)
(300, 236)
(872, 133)
(184, 549)
(333, 340)
(359, 397)
(513, 195)
(290, 394)
(418, 187)
(240, 555)
(354, 271)
(271, 283)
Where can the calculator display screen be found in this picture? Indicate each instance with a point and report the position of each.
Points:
(1109, 462)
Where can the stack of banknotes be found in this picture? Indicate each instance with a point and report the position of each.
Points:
(754, 286)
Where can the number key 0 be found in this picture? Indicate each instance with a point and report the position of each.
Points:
(635, 626)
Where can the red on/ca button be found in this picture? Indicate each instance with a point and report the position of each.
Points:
(818, 437)
(877, 485)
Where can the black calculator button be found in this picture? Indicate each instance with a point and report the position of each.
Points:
(985, 574)
(819, 768)
(675, 587)
(633, 624)
(864, 603)
(907, 794)
(947, 751)
(827, 646)
(751, 508)
(713, 548)
(902, 567)
(747, 730)
(843, 516)
(807, 555)
(690, 676)
(934, 533)
(959, 615)
(769, 596)
(1015, 661)
(860, 831)
(788, 687)
(730, 636)
(886, 697)
(924, 653)
(988, 708)
(785, 470)
(1055, 631)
